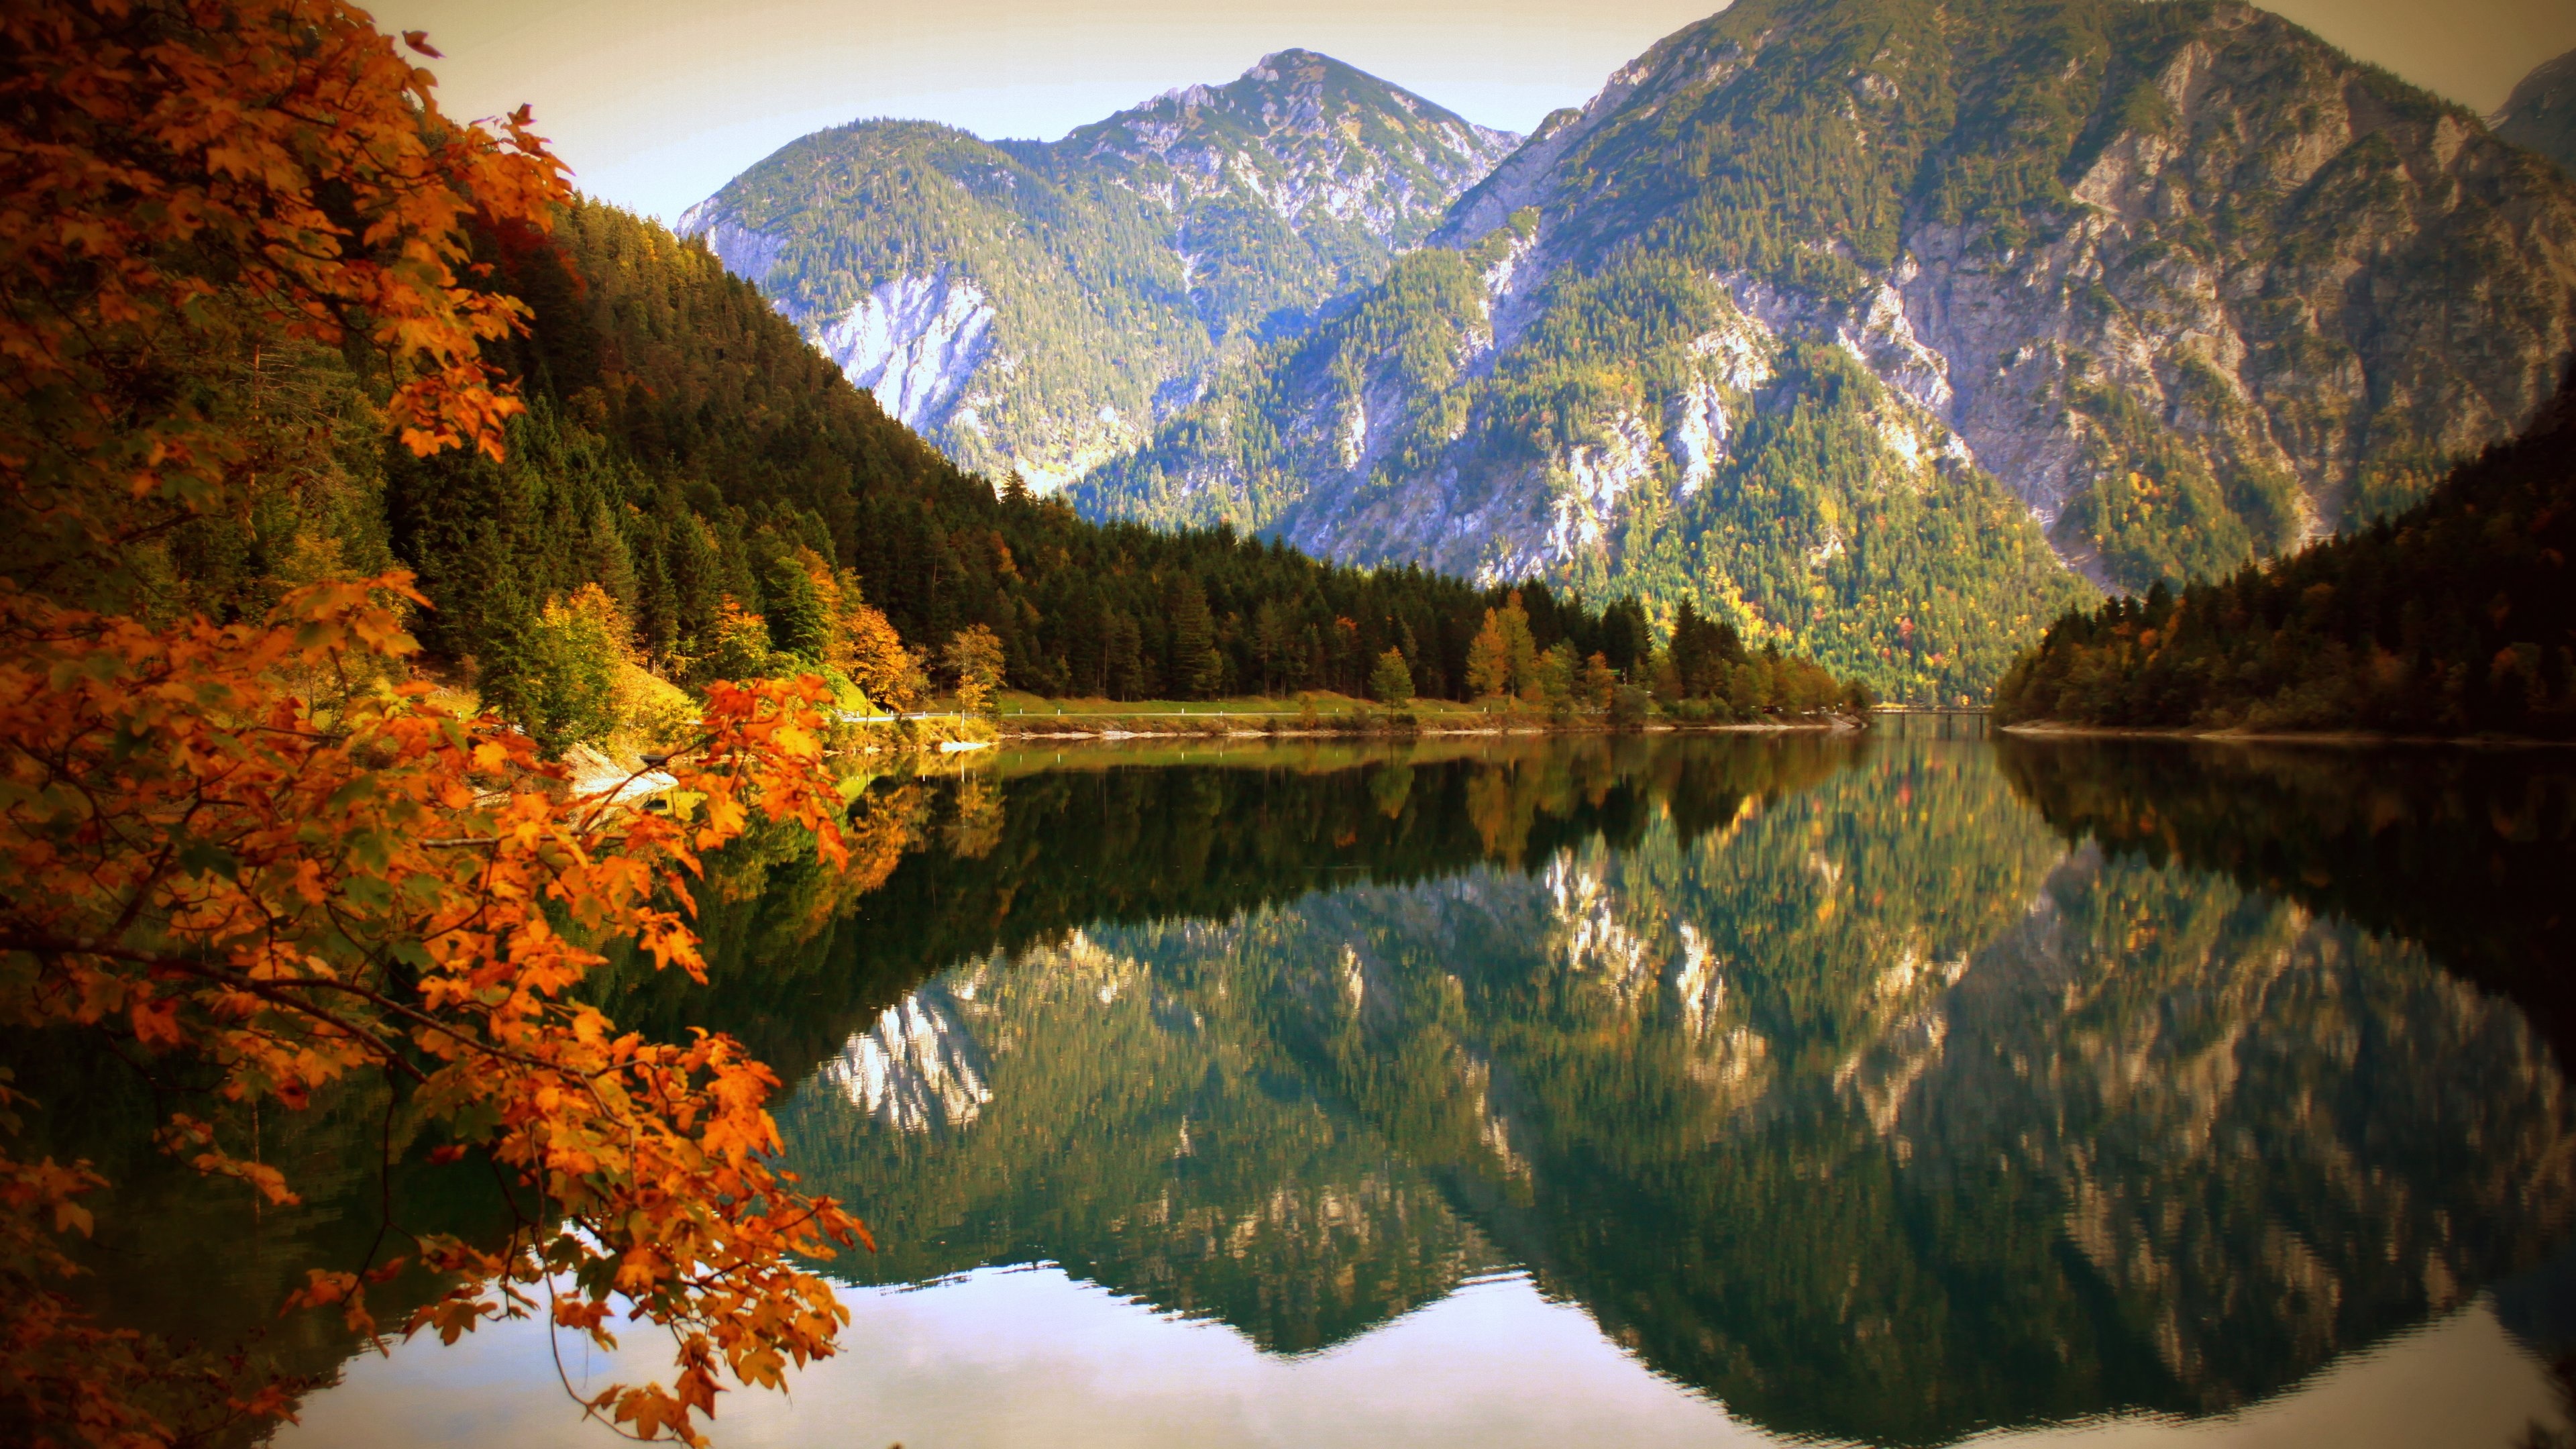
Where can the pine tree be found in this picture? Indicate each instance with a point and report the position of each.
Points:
(798, 624)
(604, 559)
(1520, 650)
(1195, 669)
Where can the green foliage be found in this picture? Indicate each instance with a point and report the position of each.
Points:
(574, 651)
(798, 625)
(2456, 616)
(1391, 680)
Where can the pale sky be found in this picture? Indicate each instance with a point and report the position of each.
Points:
(657, 103)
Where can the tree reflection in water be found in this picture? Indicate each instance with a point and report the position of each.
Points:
(1841, 1083)
(1883, 1089)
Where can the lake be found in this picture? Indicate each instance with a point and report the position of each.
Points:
(1895, 1090)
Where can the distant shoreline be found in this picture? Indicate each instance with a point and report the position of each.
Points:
(2051, 729)
(1115, 729)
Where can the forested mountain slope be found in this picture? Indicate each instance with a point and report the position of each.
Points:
(1040, 306)
(1824, 311)
(2457, 616)
(686, 450)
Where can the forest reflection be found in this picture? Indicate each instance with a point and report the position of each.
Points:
(1883, 1088)
(1884, 1091)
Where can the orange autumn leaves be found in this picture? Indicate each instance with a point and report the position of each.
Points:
(179, 174)
(398, 890)
(248, 844)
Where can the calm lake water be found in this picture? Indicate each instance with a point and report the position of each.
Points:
(1676, 1090)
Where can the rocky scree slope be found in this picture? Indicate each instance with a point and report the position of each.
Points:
(1841, 316)
(1039, 306)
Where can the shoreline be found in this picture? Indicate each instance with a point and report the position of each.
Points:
(2346, 739)
(1004, 733)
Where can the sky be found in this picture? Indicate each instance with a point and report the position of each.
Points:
(657, 103)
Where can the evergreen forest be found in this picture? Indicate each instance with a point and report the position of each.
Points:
(2455, 617)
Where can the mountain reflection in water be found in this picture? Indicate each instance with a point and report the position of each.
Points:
(1889, 1091)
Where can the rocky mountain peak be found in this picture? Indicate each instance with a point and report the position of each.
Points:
(1036, 306)
(1295, 129)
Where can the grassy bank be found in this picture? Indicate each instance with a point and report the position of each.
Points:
(1028, 716)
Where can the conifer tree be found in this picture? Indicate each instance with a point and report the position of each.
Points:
(1520, 649)
(1195, 670)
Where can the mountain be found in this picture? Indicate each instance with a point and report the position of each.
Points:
(1039, 306)
(1839, 317)
(2541, 112)
(2454, 617)
(686, 450)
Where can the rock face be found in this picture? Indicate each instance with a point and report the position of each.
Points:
(2541, 112)
(1039, 306)
(2174, 285)
(917, 1070)
(914, 342)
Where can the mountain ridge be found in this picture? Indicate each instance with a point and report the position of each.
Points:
(1049, 303)
(2180, 283)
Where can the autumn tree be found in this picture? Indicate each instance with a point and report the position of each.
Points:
(879, 664)
(234, 836)
(1489, 659)
(1597, 684)
(974, 661)
(859, 642)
